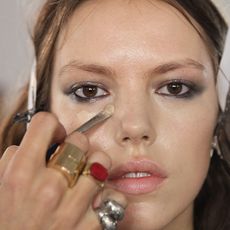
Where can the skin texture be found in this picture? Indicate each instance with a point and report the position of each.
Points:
(36, 197)
(120, 46)
(131, 51)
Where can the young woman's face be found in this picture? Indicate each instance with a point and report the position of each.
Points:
(146, 59)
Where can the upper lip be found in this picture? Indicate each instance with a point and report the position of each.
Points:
(143, 165)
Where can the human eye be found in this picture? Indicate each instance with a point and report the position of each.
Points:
(86, 92)
(178, 89)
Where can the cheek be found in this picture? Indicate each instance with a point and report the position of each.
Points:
(72, 121)
(184, 146)
(184, 151)
(188, 132)
(187, 151)
(71, 114)
(192, 142)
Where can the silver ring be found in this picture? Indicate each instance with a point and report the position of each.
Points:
(109, 214)
(115, 210)
(107, 222)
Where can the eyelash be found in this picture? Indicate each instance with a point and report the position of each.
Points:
(191, 89)
(78, 93)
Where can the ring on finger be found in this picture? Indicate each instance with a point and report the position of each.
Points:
(69, 160)
(109, 214)
(107, 222)
(114, 209)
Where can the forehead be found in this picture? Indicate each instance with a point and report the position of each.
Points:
(129, 28)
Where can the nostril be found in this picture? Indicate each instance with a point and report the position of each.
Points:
(126, 139)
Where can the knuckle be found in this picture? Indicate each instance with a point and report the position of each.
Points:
(50, 192)
(20, 175)
(84, 140)
(48, 195)
(110, 194)
(16, 180)
(49, 122)
(6, 158)
(11, 149)
(79, 140)
(101, 158)
(46, 117)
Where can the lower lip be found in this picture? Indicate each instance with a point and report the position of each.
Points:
(137, 186)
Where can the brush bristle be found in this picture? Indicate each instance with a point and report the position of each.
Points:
(109, 109)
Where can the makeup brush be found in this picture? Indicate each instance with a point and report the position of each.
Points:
(106, 113)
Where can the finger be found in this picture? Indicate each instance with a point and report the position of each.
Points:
(79, 199)
(79, 140)
(30, 155)
(43, 129)
(6, 157)
(69, 160)
(89, 221)
(109, 194)
(47, 192)
(93, 219)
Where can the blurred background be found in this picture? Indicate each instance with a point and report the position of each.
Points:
(16, 52)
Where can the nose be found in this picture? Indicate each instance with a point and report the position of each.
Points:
(135, 124)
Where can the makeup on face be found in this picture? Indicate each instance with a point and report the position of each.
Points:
(106, 113)
(103, 115)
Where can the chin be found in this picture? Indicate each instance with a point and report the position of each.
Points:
(138, 217)
(144, 215)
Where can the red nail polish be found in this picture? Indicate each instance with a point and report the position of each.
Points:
(99, 172)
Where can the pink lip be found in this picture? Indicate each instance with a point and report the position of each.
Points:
(136, 186)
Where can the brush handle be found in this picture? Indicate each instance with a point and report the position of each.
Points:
(83, 128)
(92, 122)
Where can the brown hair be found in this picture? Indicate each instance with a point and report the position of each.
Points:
(212, 206)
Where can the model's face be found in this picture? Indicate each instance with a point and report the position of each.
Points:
(148, 61)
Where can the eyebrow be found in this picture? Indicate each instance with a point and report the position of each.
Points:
(170, 66)
(93, 68)
(108, 71)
